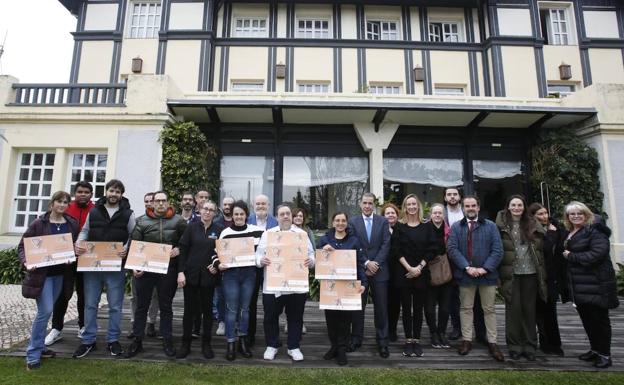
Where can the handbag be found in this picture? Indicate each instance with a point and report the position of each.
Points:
(440, 270)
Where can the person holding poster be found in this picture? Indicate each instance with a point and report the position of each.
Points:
(160, 225)
(238, 284)
(275, 301)
(44, 284)
(198, 275)
(341, 237)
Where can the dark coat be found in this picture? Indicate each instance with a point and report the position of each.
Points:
(414, 253)
(378, 248)
(197, 252)
(556, 270)
(102, 228)
(590, 270)
(349, 242)
(32, 285)
(536, 246)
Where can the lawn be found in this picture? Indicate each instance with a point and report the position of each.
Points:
(83, 372)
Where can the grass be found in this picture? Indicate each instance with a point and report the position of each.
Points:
(84, 372)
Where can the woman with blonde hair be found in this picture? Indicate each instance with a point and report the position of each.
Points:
(592, 280)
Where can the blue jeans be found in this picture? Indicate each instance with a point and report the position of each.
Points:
(238, 286)
(218, 304)
(45, 304)
(94, 282)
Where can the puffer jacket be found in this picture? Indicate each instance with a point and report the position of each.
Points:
(591, 276)
(536, 247)
(167, 229)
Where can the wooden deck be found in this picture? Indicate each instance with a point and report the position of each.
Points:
(315, 343)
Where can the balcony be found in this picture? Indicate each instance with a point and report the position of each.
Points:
(62, 95)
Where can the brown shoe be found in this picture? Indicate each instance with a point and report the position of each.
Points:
(496, 353)
(465, 347)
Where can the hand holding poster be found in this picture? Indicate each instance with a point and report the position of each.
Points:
(48, 250)
(148, 256)
(340, 295)
(287, 252)
(100, 256)
(337, 264)
(236, 252)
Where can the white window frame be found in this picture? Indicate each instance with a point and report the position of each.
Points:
(41, 197)
(379, 33)
(313, 87)
(314, 30)
(83, 167)
(553, 26)
(449, 90)
(561, 93)
(251, 30)
(441, 31)
(145, 24)
(247, 86)
(385, 89)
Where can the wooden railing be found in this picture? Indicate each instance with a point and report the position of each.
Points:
(76, 94)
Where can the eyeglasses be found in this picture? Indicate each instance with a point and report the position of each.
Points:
(159, 200)
(576, 214)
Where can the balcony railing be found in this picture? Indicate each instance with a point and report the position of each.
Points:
(51, 95)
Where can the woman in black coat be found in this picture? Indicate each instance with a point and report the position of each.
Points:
(592, 280)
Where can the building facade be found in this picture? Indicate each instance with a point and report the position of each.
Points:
(316, 101)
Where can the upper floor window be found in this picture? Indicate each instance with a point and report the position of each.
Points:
(556, 24)
(384, 89)
(144, 20)
(449, 90)
(313, 87)
(247, 86)
(250, 27)
(382, 30)
(445, 32)
(560, 90)
(313, 28)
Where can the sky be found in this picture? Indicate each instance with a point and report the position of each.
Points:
(39, 46)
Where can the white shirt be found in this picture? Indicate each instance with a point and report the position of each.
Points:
(454, 216)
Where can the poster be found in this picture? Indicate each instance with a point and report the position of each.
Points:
(340, 295)
(337, 264)
(148, 256)
(100, 256)
(48, 250)
(236, 252)
(288, 252)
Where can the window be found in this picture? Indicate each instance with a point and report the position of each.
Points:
(556, 25)
(384, 89)
(90, 167)
(34, 187)
(244, 177)
(313, 29)
(560, 90)
(382, 30)
(313, 87)
(247, 86)
(144, 20)
(449, 90)
(250, 27)
(445, 32)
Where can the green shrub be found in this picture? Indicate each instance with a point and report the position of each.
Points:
(11, 271)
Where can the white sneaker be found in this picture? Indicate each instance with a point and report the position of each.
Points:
(286, 328)
(221, 329)
(270, 352)
(81, 332)
(295, 354)
(304, 330)
(52, 337)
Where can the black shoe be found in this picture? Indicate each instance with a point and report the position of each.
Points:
(555, 350)
(243, 349)
(514, 355)
(135, 348)
(83, 350)
(418, 352)
(341, 356)
(195, 334)
(115, 349)
(408, 349)
(444, 342)
(230, 354)
(33, 366)
(588, 356)
(529, 356)
(47, 353)
(392, 336)
(435, 340)
(331, 353)
(130, 335)
(383, 352)
(185, 350)
(150, 331)
(603, 362)
(168, 347)
(207, 350)
(454, 334)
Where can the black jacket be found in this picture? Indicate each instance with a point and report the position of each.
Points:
(349, 242)
(590, 270)
(197, 252)
(556, 275)
(414, 252)
(105, 229)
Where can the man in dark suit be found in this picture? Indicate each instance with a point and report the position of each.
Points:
(374, 234)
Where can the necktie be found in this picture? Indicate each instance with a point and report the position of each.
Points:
(471, 225)
(369, 227)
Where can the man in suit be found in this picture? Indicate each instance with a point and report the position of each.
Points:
(373, 232)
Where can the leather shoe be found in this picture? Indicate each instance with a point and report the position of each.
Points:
(184, 350)
(464, 348)
(207, 351)
(496, 353)
(230, 355)
(135, 348)
(331, 353)
(243, 349)
(603, 362)
(341, 357)
(514, 355)
(588, 356)
(383, 352)
(168, 348)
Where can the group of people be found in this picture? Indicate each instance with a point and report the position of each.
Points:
(411, 265)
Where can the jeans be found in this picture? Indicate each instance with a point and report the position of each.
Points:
(166, 284)
(238, 286)
(218, 304)
(45, 304)
(94, 282)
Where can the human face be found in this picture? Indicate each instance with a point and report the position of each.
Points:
(147, 201)
(437, 215)
(542, 216)
(261, 206)
(208, 211)
(411, 206)
(82, 196)
(59, 206)
(576, 217)
(284, 217)
(367, 205)
(391, 216)
(340, 223)
(516, 208)
(238, 216)
(187, 202)
(161, 204)
(201, 197)
(451, 197)
(471, 208)
(113, 196)
(227, 206)
(298, 219)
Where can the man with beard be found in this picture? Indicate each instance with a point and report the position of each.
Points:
(226, 210)
(218, 305)
(476, 250)
(111, 220)
(188, 213)
(79, 209)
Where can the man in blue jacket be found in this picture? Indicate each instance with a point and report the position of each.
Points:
(476, 250)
